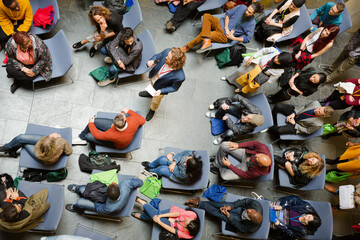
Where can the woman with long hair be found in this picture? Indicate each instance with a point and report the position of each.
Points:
(28, 57)
(184, 167)
(45, 149)
(183, 223)
(108, 24)
(301, 165)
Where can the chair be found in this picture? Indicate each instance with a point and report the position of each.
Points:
(132, 18)
(149, 50)
(166, 204)
(261, 102)
(125, 211)
(317, 183)
(281, 121)
(56, 199)
(346, 24)
(302, 24)
(61, 56)
(210, 5)
(85, 231)
(261, 233)
(201, 183)
(27, 161)
(134, 145)
(263, 178)
(35, 5)
(324, 232)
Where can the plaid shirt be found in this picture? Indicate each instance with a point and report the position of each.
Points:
(304, 59)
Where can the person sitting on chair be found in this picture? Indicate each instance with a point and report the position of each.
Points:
(244, 215)
(249, 116)
(46, 149)
(296, 218)
(125, 53)
(184, 167)
(301, 165)
(328, 14)
(15, 16)
(305, 83)
(303, 120)
(254, 160)
(279, 23)
(117, 133)
(239, 25)
(117, 197)
(12, 201)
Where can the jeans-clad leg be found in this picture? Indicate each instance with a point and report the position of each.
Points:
(83, 204)
(150, 212)
(22, 140)
(102, 124)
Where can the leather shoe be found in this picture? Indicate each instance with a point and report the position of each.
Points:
(150, 115)
(206, 46)
(77, 45)
(330, 188)
(145, 164)
(145, 94)
(14, 87)
(193, 202)
(214, 169)
(92, 52)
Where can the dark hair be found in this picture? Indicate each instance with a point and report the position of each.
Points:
(119, 120)
(313, 225)
(113, 191)
(322, 77)
(194, 167)
(126, 33)
(322, 42)
(7, 3)
(258, 7)
(10, 214)
(340, 6)
(19, 37)
(298, 3)
(194, 225)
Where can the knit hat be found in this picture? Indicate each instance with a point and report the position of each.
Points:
(298, 3)
(257, 120)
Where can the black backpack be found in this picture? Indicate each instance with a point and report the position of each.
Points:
(118, 6)
(235, 55)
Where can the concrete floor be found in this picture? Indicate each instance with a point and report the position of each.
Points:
(179, 122)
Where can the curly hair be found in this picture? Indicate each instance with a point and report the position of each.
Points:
(178, 58)
(312, 170)
(19, 37)
(47, 146)
(99, 10)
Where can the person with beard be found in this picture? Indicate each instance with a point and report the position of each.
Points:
(280, 22)
(270, 66)
(238, 25)
(28, 57)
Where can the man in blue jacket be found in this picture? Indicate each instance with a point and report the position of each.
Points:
(117, 197)
(166, 76)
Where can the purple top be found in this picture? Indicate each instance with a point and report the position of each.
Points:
(295, 215)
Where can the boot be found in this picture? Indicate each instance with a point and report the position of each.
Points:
(185, 48)
(193, 202)
(206, 46)
(330, 188)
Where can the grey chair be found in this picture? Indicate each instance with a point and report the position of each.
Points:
(325, 231)
(261, 233)
(85, 231)
(61, 56)
(35, 5)
(201, 183)
(210, 5)
(56, 199)
(26, 161)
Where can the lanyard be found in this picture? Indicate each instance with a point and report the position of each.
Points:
(238, 23)
(306, 115)
(252, 159)
(294, 219)
(162, 70)
(282, 14)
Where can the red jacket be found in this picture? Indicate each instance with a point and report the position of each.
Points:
(254, 171)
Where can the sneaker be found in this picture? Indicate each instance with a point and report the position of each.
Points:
(326, 68)
(72, 187)
(206, 46)
(328, 79)
(217, 141)
(3, 149)
(210, 114)
(214, 169)
(92, 52)
(79, 141)
(223, 78)
(108, 60)
(77, 45)
(237, 90)
(145, 164)
(70, 207)
(211, 107)
(106, 82)
(212, 159)
(145, 94)
(14, 87)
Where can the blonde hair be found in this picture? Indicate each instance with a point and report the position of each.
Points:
(178, 58)
(98, 10)
(312, 170)
(47, 146)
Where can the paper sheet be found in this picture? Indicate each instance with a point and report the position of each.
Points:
(150, 90)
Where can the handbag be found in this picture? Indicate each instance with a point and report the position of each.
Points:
(335, 176)
(151, 187)
(166, 235)
(100, 73)
(328, 128)
(143, 175)
(57, 175)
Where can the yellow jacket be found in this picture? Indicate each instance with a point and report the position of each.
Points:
(25, 13)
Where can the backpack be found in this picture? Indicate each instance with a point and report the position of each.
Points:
(53, 176)
(119, 6)
(166, 235)
(38, 175)
(99, 159)
(86, 166)
(44, 16)
(236, 57)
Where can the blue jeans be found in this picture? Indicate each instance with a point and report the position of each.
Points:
(113, 70)
(26, 141)
(150, 212)
(160, 166)
(102, 124)
(83, 204)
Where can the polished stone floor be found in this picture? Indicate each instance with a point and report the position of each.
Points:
(179, 122)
